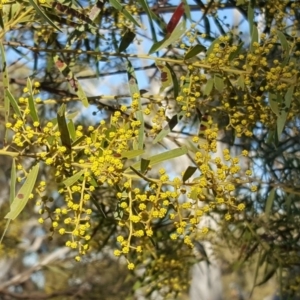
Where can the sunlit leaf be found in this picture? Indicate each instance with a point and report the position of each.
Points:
(118, 6)
(134, 90)
(42, 14)
(13, 180)
(273, 103)
(132, 153)
(72, 130)
(241, 82)
(167, 129)
(194, 51)
(165, 75)
(72, 80)
(281, 119)
(73, 179)
(23, 194)
(209, 86)
(219, 82)
(269, 202)
(5, 80)
(254, 37)
(174, 37)
(174, 80)
(165, 156)
(63, 127)
(32, 107)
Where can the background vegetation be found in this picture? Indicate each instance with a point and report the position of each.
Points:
(195, 138)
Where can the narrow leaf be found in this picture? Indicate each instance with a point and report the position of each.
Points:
(174, 37)
(194, 51)
(5, 81)
(13, 103)
(219, 82)
(132, 153)
(71, 180)
(174, 80)
(33, 112)
(281, 120)
(209, 86)
(156, 159)
(250, 17)
(134, 90)
(72, 80)
(22, 196)
(13, 180)
(72, 131)
(165, 75)
(188, 173)
(63, 128)
(269, 202)
(254, 37)
(118, 6)
(144, 165)
(167, 129)
(42, 14)
(126, 40)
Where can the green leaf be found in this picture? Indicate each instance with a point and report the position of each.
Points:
(156, 159)
(268, 275)
(13, 180)
(234, 54)
(127, 39)
(256, 271)
(22, 196)
(218, 82)
(72, 80)
(285, 47)
(72, 131)
(71, 180)
(63, 128)
(33, 112)
(211, 47)
(134, 89)
(82, 96)
(118, 6)
(209, 86)
(174, 37)
(167, 129)
(188, 173)
(273, 103)
(281, 119)
(283, 41)
(269, 202)
(187, 10)
(194, 51)
(144, 165)
(42, 14)
(132, 153)
(250, 17)
(254, 37)
(174, 80)
(5, 81)
(241, 82)
(151, 17)
(165, 75)
(13, 103)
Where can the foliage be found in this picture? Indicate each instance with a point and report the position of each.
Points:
(111, 183)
